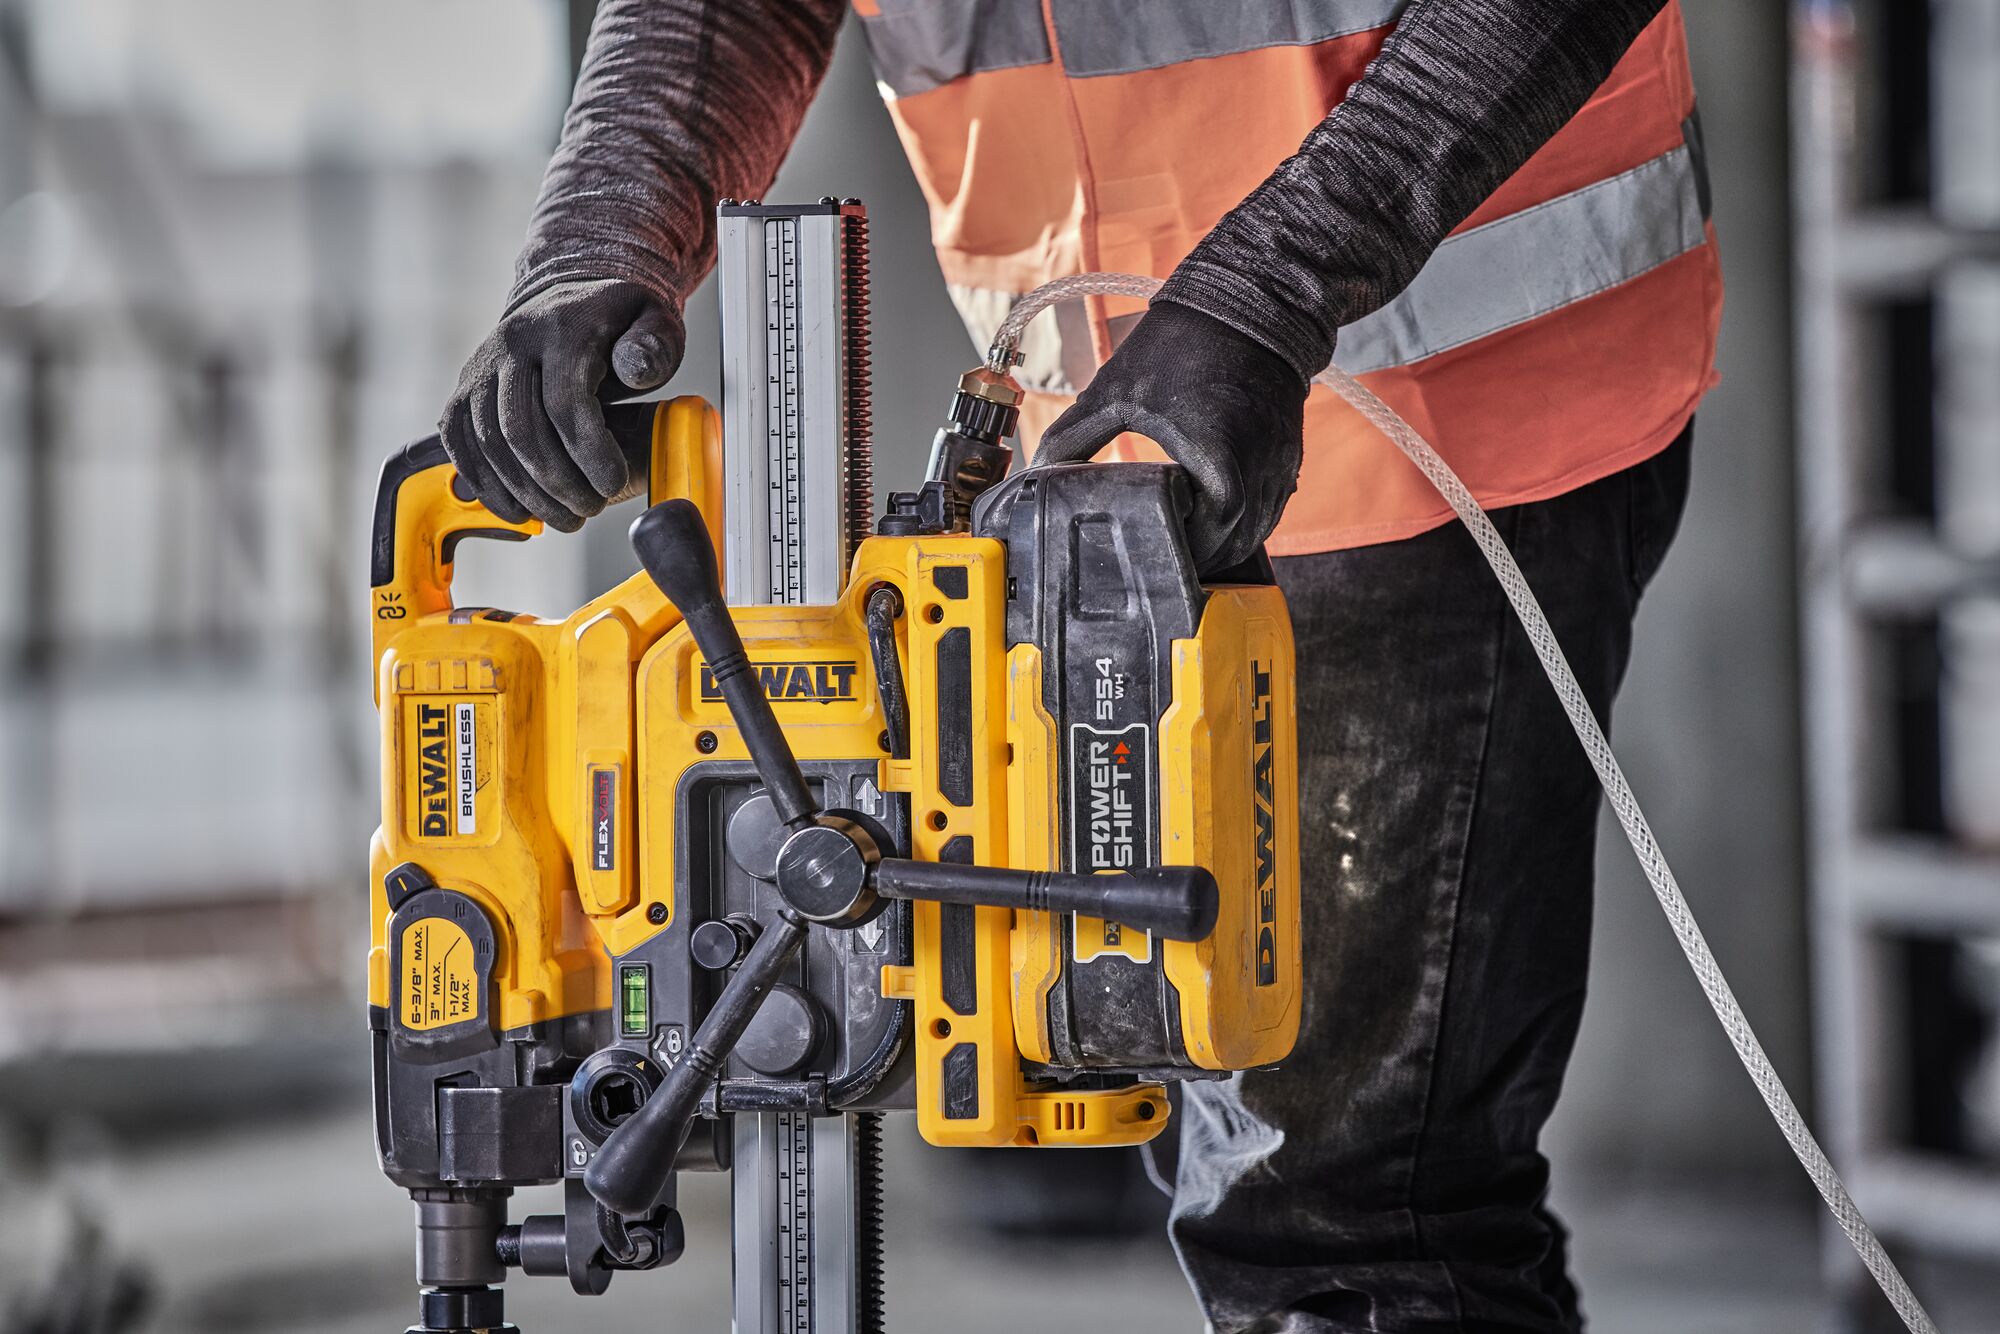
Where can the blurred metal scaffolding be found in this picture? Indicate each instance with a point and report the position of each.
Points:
(142, 534)
(204, 352)
(1897, 153)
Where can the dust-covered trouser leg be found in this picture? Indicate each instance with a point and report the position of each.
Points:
(1388, 1175)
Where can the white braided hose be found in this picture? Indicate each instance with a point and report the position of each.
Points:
(1651, 860)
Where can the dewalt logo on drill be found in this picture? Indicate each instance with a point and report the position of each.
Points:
(445, 740)
(794, 682)
(1266, 817)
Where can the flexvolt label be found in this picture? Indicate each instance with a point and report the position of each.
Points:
(603, 818)
(1110, 823)
(1266, 817)
(785, 682)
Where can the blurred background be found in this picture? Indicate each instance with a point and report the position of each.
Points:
(244, 246)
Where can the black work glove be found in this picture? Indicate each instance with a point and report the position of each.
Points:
(525, 427)
(1225, 407)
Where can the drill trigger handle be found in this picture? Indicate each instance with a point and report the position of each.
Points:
(421, 501)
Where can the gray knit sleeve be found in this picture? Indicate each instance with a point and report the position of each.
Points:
(1463, 93)
(679, 103)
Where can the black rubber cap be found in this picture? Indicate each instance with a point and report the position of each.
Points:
(716, 944)
(783, 1034)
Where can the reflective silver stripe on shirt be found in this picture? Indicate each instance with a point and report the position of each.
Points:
(1122, 36)
(1507, 272)
(1528, 264)
(918, 45)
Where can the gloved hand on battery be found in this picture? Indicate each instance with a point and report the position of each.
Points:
(525, 427)
(1221, 404)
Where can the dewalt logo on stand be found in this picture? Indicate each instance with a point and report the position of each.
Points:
(795, 682)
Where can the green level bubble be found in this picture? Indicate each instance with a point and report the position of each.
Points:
(635, 1009)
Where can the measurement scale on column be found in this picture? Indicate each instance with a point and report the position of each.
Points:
(795, 1230)
(793, 284)
(794, 415)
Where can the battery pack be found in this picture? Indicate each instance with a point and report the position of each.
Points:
(1166, 730)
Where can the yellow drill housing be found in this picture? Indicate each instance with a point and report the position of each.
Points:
(534, 887)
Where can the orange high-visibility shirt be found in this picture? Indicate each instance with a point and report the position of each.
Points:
(1564, 331)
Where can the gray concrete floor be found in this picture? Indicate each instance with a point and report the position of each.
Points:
(288, 1227)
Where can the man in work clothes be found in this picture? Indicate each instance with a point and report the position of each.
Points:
(1494, 212)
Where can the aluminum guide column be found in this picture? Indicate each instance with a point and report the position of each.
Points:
(781, 275)
(786, 417)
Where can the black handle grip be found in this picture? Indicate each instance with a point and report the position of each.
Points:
(674, 546)
(1174, 902)
(631, 425)
(633, 1169)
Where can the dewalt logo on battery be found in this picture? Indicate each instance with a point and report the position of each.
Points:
(1266, 817)
(793, 682)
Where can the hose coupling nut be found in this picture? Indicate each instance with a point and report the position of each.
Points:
(983, 382)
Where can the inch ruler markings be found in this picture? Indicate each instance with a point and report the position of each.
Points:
(784, 446)
(784, 283)
(795, 1230)
(785, 462)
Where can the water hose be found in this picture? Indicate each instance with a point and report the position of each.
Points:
(1001, 357)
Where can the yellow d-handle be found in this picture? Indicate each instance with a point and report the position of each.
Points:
(421, 515)
(686, 463)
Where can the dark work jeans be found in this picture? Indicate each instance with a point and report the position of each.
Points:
(1387, 1176)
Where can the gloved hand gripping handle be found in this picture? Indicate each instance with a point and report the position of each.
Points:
(424, 509)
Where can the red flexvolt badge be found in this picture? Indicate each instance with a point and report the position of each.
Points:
(603, 819)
